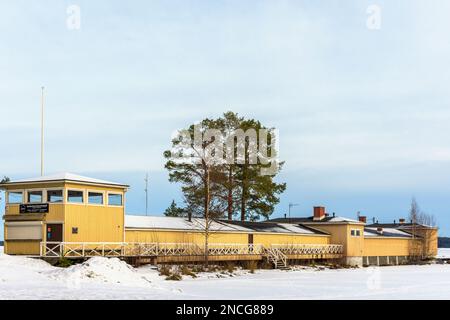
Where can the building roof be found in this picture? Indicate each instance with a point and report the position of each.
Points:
(198, 224)
(65, 176)
(328, 219)
(269, 226)
(387, 232)
(403, 226)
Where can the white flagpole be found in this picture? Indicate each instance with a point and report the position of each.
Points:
(42, 132)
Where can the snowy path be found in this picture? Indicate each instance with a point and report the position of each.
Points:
(100, 278)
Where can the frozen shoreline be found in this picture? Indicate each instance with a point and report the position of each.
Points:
(101, 278)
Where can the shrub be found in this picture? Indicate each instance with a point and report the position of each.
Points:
(164, 270)
(187, 272)
(63, 262)
(230, 266)
(213, 268)
(266, 265)
(198, 268)
(174, 277)
(251, 265)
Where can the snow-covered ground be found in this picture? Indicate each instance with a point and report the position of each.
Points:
(101, 278)
(444, 253)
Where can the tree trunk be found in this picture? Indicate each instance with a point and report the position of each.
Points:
(230, 194)
(244, 193)
(207, 222)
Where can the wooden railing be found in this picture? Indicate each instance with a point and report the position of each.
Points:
(276, 256)
(153, 249)
(309, 249)
(134, 249)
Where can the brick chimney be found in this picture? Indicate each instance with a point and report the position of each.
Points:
(362, 219)
(401, 220)
(319, 213)
(380, 230)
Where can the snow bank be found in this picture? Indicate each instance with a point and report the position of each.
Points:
(103, 278)
(443, 253)
(7, 261)
(103, 270)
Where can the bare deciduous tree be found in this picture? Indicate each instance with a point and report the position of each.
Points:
(423, 231)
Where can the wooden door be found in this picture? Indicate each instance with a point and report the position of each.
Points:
(54, 233)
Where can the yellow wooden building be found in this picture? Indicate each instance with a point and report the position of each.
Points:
(76, 217)
(62, 208)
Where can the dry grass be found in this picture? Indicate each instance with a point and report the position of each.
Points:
(174, 277)
(186, 271)
(251, 265)
(230, 266)
(165, 270)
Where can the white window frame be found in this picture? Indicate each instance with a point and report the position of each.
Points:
(356, 231)
(44, 195)
(55, 189)
(14, 203)
(95, 204)
(75, 203)
(116, 193)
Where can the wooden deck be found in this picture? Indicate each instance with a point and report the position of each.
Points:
(190, 252)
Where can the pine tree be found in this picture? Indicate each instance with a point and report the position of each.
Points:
(174, 211)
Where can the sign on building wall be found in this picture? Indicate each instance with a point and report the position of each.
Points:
(34, 208)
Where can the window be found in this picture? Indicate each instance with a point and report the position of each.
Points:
(34, 197)
(74, 196)
(74, 230)
(55, 196)
(15, 197)
(114, 199)
(95, 197)
(355, 232)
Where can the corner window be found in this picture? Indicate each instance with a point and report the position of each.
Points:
(15, 197)
(355, 232)
(95, 197)
(34, 197)
(74, 196)
(55, 196)
(114, 199)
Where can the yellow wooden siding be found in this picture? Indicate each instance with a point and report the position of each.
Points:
(386, 246)
(55, 213)
(168, 236)
(219, 237)
(355, 244)
(340, 234)
(429, 243)
(12, 209)
(27, 247)
(94, 223)
(268, 239)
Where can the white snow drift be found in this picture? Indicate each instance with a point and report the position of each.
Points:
(102, 278)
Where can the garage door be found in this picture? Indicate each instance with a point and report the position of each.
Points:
(23, 230)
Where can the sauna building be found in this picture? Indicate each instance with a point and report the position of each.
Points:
(77, 217)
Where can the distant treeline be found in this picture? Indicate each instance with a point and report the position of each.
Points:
(444, 242)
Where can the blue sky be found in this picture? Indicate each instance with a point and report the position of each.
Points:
(363, 114)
